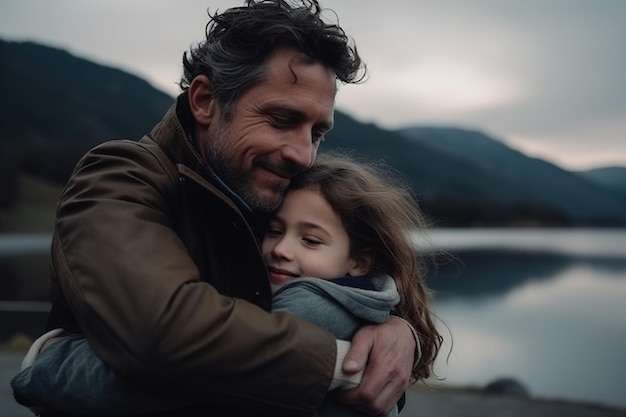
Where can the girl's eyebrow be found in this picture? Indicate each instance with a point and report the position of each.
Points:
(310, 225)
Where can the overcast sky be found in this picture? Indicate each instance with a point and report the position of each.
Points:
(544, 76)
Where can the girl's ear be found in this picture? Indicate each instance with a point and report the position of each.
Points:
(362, 265)
(201, 101)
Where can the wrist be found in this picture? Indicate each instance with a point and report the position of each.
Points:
(418, 352)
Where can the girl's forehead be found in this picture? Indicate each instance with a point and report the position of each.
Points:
(306, 204)
(303, 198)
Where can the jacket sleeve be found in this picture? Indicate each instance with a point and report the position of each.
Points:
(139, 300)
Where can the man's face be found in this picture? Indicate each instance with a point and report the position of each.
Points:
(275, 130)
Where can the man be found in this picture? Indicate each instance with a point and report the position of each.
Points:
(154, 256)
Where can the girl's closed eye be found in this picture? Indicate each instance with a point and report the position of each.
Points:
(273, 232)
(311, 241)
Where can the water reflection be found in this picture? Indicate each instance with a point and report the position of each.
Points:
(480, 273)
(16, 244)
(24, 284)
(544, 307)
(574, 242)
(554, 322)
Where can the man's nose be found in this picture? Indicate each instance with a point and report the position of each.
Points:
(301, 150)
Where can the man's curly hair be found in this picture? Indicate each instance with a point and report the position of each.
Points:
(240, 40)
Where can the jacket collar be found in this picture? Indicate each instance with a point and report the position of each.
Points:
(171, 134)
(174, 135)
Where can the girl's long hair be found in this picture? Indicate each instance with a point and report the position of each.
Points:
(379, 213)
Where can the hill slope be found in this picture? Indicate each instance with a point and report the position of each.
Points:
(100, 101)
(611, 178)
(584, 201)
(68, 104)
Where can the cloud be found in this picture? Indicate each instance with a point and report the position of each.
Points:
(536, 73)
(435, 90)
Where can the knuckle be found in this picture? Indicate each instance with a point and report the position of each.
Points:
(376, 405)
(379, 411)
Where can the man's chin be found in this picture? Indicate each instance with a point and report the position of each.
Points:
(266, 203)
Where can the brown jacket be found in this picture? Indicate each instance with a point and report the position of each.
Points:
(162, 273)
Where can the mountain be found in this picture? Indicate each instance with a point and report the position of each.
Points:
(529, 179)
(450, 189)
(90, 102)
(63, 105)
(611, 178)
(59, 105)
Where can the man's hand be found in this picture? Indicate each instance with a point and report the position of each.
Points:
(388, 351)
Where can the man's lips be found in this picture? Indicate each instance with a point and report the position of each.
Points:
(275, 179)
(283, 170)
(281, 174)
(280, 275)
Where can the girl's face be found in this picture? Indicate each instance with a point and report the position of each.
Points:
(307, 239)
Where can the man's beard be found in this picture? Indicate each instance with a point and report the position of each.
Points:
(222, 159)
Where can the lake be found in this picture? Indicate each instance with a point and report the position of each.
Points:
(546, 307)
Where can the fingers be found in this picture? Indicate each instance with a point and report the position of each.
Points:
(370, 400)
(357, 356)
(388, 350)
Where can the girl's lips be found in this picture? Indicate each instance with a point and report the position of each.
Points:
(280, 275)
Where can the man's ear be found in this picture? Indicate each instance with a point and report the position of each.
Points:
(201, 101)
(362, 265)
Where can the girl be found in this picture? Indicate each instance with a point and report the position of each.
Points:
(338, 253)
(348, 225)
(343, 219)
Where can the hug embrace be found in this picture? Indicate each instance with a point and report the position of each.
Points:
(217, 267)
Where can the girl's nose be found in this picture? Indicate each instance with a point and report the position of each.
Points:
(282, 250)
